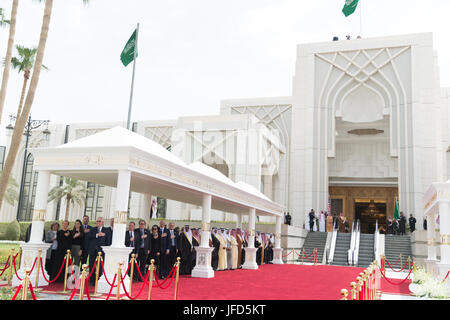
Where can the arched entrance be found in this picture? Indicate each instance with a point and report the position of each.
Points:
(368, 204)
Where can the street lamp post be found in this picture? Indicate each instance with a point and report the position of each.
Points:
(30, 126)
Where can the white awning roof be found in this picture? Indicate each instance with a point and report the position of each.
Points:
(154, 170)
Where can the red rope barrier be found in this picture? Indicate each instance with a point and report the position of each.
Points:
(76, 288)
(6, 265)
(17, 292)
(60, 270)
(93, 268)
(104, 274)
(86, 286)
(15, 269)
(288, 253)
(140, 291)
(384, 276)
(171, 273)
(3, 271)
(32, 291)
(160, 285)
(445, 279)
(394, 263)
(112, 286)
(397, 270)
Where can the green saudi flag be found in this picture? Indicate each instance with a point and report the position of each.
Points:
(350, 7)
(396, 215)
(128, 52)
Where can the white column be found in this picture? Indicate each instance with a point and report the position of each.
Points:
(444, 223)
(250, 251)
(203, 268)
(431, 237)
(277, 251)
(30, 250)
(117, 252)
(239, 221)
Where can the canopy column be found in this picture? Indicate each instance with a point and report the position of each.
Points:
(239, 221)
(444, 226)
(203, 268)
(431, 242)
(30, 250)
(250, 251)
(117, 252)
(277, 251)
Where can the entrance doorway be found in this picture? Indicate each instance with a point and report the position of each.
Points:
(368, 212)
(354, 203)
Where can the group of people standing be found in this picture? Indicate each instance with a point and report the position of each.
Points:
(398, 226)
(325, 221)
(83, 240)
(161, 243)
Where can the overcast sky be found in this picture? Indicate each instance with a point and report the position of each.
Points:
(192, 53)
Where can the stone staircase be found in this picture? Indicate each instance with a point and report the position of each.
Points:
(341, 250)
(396, 245)
(315, 240)
(366, 253)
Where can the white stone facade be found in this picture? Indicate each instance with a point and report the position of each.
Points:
(293, 148)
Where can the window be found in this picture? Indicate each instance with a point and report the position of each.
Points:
(94, 200)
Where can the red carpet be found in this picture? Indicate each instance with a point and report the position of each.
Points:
(269, 282)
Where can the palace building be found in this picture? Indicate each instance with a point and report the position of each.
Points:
(367, 122)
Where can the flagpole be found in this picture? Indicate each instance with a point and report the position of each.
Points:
(132, 80)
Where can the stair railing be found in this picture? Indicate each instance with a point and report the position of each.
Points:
(351, 251)
(333, 244)
(376, 250)
(357, 240)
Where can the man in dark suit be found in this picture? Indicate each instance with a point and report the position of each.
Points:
(86, 229)
(130, 241)
(172, 235)
(164, 249)
(98, 237)
(142, 247)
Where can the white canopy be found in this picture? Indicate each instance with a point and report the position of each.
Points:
(154, 170)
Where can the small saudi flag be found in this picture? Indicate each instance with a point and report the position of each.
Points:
(350, 7)
(128, 52)
(396, 215)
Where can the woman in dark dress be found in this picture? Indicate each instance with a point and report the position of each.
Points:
(77, 242)
(64, 238)
(155, 247)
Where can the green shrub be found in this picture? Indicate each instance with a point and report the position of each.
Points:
(13, 231)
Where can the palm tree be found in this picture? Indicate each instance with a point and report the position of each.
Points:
(12, 195)
(73, 190)
(12, 33)
(22, 119)
(24, 63)
(3, 21)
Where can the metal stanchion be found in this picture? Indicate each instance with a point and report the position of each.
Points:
(119, 280)
(315, 256)
(303, 255)
(37, 270)
(11, 266)
(83, 280)
(177, 276)
(401, 261)
(150, 281)
(131, 271)
(344, 294)
(409, 267)
(358, 288)
(25, 284)
(97, 274)
(66, 271)
(353, 291)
